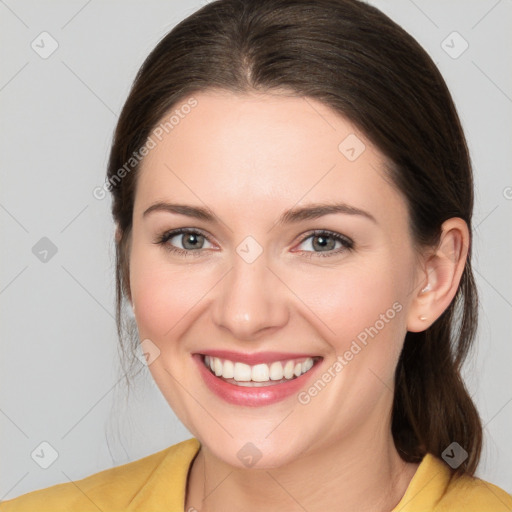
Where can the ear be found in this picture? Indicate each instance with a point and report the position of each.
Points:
(440, 276)
(119, 233)
(122, 247)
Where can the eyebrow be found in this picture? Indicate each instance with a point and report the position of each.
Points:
(293, 215)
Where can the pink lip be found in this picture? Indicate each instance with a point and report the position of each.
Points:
(252, 396)
(256, 358)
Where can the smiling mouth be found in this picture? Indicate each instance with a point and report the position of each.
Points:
(258, 375)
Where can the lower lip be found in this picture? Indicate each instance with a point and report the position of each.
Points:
(252, 396)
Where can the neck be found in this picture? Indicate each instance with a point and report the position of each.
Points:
(353, 474)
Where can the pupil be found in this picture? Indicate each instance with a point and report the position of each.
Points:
(323, 242)
(192, 240)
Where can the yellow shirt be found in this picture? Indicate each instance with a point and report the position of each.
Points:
(157, 483)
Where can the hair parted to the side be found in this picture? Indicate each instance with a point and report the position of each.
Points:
(354, 59)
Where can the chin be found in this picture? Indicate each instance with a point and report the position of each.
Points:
(254, 452)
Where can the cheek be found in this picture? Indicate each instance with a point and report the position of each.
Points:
(162, 295)
(349, 300)
(360, 312)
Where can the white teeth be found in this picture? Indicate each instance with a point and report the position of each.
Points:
(228, 369)
(242, 372)
(217, 366)
(307, 365)
(259, 373)
(288, 370)
(276, 371)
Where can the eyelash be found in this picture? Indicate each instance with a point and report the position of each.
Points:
(165, 237)
(348, 244)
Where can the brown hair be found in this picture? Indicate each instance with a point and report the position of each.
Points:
(357, 61)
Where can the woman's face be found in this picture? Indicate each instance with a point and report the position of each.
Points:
(261, 282)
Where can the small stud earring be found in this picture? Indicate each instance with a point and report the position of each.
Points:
(427, 288)
(423, 318)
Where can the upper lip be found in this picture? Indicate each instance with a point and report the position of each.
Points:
(256, 357)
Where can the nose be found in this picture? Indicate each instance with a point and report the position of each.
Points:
(251, 302)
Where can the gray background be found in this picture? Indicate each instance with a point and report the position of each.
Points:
(59, 371)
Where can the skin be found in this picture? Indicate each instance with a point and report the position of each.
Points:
(248, 158)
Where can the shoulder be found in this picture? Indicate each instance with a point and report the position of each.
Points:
(471, 494)
(435, 488)
(113, 489)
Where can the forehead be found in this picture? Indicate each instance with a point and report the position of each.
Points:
(262, 152)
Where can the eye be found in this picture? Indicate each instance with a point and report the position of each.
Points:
(326, 243)
(188, 241)
(183, 241)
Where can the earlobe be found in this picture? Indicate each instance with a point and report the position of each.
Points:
(441, 274)
(131, 309)
(123, 248)
(118, 234)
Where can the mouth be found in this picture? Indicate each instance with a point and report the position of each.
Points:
(258, 375)
(256, 379)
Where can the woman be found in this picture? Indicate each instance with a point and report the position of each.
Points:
(293, 198)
